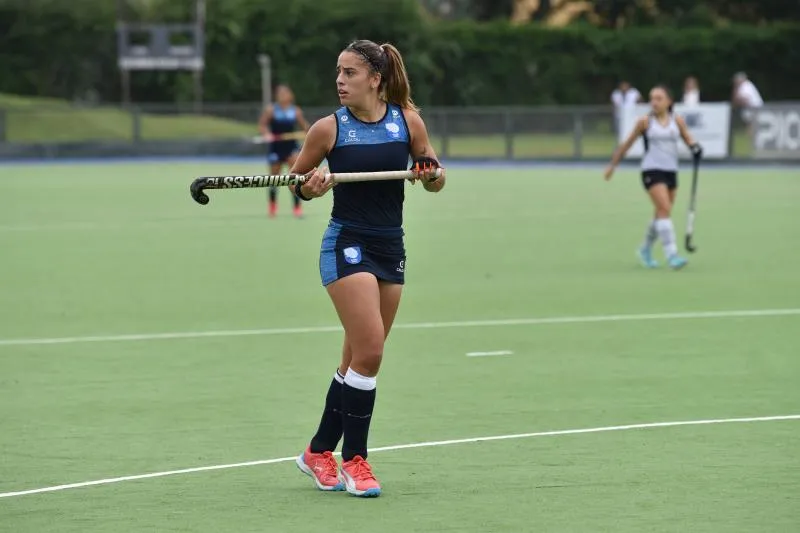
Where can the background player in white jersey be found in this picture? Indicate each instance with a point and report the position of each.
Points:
(660, 131)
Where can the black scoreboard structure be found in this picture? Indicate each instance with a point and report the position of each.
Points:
(160, 46)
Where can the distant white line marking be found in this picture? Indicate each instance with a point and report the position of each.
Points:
(420, 325)
(605, 429)
(489, 354)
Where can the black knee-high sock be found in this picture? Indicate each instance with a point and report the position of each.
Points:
(273, 194)
(357, 406)
(330, 427)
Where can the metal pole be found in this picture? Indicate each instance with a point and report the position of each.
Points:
(266, 79)
(198, 91)
(200, 22)
(136, 124)
(126, 87)
(577, 135)
(508, 126)
(200, 14)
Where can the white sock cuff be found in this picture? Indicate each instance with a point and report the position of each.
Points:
(663, 223)
(357, 381)
(338, 377)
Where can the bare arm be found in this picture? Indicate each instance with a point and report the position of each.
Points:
(737, 99)
(619, 153)
(264, 120)
(301, 119)
(319, 142)
(684, 130)
(421, 147)
(694, 146)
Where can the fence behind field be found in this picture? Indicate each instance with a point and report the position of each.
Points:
(508, 133)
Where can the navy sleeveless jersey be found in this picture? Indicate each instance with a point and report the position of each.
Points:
(284, 120)
(370, 147)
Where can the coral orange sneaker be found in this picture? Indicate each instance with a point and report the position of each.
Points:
(298, 211)
(273, 209)
(322, 468)
(358, 478)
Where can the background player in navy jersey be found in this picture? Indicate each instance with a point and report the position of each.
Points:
(362, 260)
(660, 131)
(278, 119)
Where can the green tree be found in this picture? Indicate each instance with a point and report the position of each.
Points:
(619, 13)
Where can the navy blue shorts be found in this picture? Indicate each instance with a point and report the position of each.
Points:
(280, 152)
(346, 250)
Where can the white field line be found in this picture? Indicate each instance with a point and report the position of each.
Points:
(420, 325)
(431, 444)
(489, 354)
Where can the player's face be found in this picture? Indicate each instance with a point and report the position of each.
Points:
(354, 80)
(284, 96)
(659, 100)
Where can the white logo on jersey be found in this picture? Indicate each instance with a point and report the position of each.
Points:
(395, 113)
(393, 129)
(351, 137)
(344, 118)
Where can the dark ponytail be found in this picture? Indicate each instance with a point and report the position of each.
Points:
(396, 87)
(387, 61)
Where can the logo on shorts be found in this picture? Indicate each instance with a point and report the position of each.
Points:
(402, 267)
(393, 129)
(352, 255)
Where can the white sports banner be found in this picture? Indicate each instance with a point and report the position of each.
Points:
(777, 131)
(709, 124)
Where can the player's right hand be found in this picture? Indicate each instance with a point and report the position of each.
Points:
(318, 182)
(269, 137)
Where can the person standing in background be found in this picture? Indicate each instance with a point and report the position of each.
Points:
(282, 118)
(746, 97)
(691, 91)
(623, 96)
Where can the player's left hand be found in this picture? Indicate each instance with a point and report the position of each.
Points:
(697, 151)
(425, 169)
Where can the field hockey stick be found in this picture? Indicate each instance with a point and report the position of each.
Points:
(293, 136)
(199, 185)
(690, 247)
